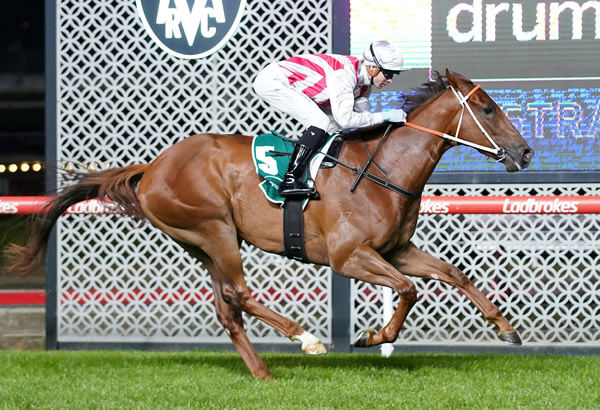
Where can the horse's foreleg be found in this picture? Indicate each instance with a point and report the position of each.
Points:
(365, 264)
(415, 262)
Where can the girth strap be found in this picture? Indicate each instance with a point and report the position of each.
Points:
(293, 229)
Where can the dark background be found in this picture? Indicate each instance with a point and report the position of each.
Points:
(21, 118)
(22, 95)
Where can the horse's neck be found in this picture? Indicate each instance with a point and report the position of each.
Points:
(413, 155)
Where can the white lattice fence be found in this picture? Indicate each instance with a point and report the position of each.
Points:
(540, 270)
(123, 100)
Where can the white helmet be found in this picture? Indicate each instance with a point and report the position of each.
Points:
(385, 56)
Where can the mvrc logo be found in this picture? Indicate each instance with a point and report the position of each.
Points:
(191, 28)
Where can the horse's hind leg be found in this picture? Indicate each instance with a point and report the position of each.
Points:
(226, 261)
(229, 313)
(240, 294)
(291, 329)
(415, 262)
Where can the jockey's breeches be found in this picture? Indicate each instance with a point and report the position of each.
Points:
(273, 86)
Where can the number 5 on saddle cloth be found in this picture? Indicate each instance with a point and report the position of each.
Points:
(271, 154)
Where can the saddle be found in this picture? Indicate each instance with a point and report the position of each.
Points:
(271, 154)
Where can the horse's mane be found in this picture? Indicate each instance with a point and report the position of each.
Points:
(412, 100)
(419, 96)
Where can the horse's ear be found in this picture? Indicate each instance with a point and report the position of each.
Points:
(459, 81)
(450, 78)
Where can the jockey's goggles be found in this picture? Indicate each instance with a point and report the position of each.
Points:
(389, 74)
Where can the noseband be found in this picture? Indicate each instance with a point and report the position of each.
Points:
(463, 101)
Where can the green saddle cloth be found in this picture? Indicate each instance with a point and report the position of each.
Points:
(270, 164)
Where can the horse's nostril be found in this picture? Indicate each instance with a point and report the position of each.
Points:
(527, 155)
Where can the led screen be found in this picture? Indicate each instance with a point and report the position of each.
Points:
(539, 60)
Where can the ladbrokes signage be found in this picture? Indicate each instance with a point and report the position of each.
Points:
(191, 28)
(510, 39)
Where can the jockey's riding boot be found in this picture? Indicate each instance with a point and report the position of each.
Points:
(293, 181)
(293, 184)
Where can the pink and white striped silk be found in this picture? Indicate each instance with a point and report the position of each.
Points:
(328, 91)
(307, 73)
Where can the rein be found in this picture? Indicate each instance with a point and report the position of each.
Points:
(378, 180)
(463, 101)
(362, 172)
(364, 169)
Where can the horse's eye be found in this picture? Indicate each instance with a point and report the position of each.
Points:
(488, 111)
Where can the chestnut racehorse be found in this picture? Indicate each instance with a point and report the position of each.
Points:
(203, 192)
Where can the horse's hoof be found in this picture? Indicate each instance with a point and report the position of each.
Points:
(310, 344)
(262, 374)
(362, 340)
(314, 348)
(512, 338)
(265, 376)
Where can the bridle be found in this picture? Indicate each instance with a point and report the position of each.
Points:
(499, 152)
(462, 100)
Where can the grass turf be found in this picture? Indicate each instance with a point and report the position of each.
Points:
(111, 379)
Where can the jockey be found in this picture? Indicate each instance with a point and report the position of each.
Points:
(327, 93)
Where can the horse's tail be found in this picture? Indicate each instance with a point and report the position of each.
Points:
(118, 185)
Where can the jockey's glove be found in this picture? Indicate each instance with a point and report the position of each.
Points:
(394, 115)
